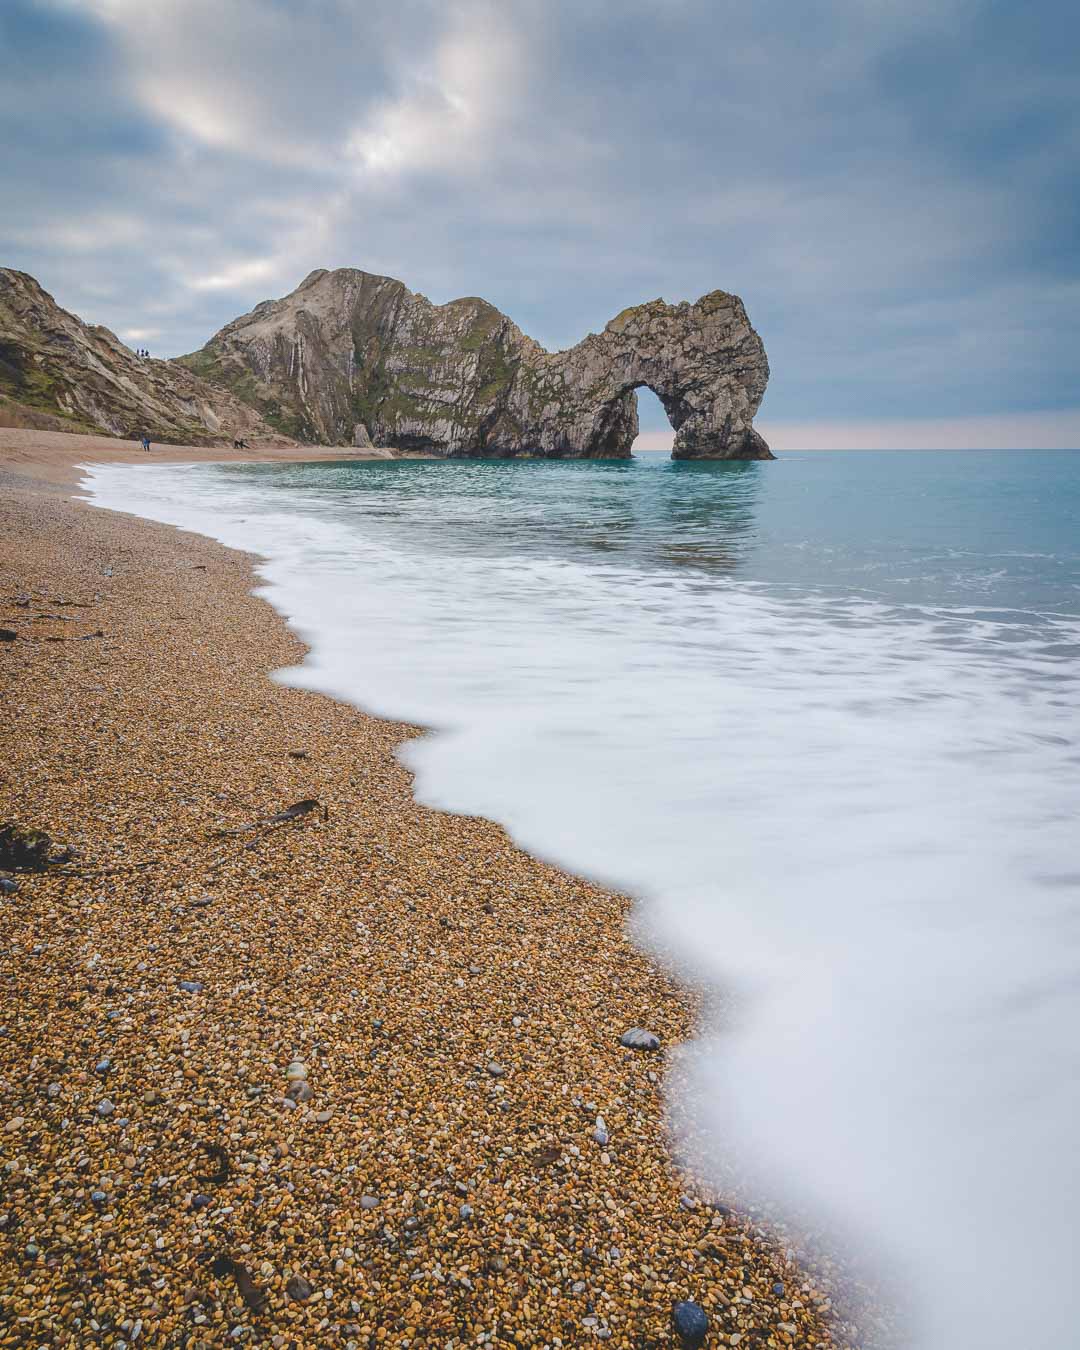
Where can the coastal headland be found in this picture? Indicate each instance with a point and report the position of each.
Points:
(289, 1059)
(353, 359)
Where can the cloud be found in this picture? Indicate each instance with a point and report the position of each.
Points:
(449, 108)
(892, 189)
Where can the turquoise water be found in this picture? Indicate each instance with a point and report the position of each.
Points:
(944, 527)
(821, 717)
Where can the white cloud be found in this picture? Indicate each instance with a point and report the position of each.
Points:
(448, 110)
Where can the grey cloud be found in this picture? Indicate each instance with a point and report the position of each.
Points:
(892, 189)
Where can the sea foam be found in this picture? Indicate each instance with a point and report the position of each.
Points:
(856, 819)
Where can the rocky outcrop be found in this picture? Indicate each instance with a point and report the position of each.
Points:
(349, 356)
(355, 359)
(56, 371)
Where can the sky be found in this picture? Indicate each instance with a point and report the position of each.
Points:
(892, 186)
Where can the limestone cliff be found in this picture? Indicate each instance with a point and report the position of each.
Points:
(349, 355)
(56, 370)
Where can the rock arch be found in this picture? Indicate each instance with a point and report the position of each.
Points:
(349, 350)
(704, 362)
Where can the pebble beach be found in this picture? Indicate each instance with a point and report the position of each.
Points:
(289, 1059)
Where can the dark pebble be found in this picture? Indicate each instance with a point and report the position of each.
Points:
(691, 1324)
(299, 1289)
(637, 1038)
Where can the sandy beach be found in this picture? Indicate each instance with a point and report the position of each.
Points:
(451, 1007)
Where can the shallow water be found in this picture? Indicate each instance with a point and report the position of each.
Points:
(821, 716)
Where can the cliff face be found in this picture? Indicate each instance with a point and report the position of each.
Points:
(349, 356)
(354, 359)
(54, 366)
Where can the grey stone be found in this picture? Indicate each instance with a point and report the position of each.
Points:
(637, 1038)
(299, 1289)
(369, 1202)
(105, 1107)
(691, 1324)
(299, 1091)
(191, 986)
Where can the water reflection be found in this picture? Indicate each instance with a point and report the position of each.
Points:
(644, 511)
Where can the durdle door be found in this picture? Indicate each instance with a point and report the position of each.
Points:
(347, 348)
(353, 359)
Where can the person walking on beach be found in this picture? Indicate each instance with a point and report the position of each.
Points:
(146, 442)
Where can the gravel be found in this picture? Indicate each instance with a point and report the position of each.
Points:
(329, 937)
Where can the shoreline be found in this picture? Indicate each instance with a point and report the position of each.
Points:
(456, 1002)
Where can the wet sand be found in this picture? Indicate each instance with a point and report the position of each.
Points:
(455, 1005)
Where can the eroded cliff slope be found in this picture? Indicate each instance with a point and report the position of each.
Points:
(56, 370)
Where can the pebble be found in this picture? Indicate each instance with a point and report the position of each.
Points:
(8, 886)
(466, 1211)
(191, 986)
(53, 1090)
(637, 1038)
(691, 1324)
(369, 1202)
(299, 1289)
(14, 1124)
(600, 1133)
(105, 1107)
(299, 1091)
(323, 1117)
(496, 1070)
(103, 1066)
(296, 1072)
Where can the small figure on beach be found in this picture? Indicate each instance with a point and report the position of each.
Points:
(239, 444)
(145, 442)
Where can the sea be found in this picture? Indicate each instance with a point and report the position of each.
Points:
(821, 718)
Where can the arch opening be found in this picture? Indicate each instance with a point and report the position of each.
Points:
(655, 431)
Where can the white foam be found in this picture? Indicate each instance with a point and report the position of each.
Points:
(860, 818)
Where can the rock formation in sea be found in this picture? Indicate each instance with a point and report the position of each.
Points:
(350, 357)
(57, 372)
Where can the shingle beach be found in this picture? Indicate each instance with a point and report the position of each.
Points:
(327, 1080)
